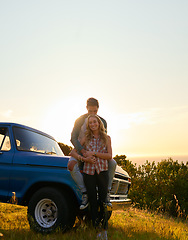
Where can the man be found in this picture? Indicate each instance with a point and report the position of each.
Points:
(73, 165)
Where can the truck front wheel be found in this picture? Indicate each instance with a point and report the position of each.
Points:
(48, 210)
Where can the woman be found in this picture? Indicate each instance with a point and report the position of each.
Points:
(98, 145)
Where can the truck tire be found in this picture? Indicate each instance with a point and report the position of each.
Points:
(48, 210)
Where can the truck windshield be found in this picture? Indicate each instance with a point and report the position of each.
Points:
(27, 140)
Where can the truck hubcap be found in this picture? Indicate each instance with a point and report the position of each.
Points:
(46, 213)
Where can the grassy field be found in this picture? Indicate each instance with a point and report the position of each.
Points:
(124, 224)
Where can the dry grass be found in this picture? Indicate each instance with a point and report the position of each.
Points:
(140, 224)
(124, 224)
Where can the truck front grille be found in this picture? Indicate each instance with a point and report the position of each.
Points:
(119, 187)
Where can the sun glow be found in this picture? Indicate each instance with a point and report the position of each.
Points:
(60, 117)
(130, 132)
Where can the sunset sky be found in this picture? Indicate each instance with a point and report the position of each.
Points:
(130, 55)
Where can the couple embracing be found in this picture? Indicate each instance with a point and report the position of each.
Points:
(94, 152)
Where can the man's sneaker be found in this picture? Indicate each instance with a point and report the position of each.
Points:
(84, 201)
(108, 200)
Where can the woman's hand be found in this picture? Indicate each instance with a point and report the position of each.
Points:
(90, 160)
(88, 154)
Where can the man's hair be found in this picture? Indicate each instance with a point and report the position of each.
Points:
(92, 102)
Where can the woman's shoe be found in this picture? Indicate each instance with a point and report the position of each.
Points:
(102, 235)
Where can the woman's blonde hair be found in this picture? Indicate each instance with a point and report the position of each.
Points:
(102, 131)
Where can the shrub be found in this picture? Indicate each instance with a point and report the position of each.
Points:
(162, 187)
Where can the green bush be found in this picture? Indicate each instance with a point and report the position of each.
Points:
(162, 187)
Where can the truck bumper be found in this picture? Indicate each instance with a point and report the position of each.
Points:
(121, 204)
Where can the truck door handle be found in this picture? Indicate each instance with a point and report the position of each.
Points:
(1, 153)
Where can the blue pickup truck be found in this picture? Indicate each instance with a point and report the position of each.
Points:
(33, 173)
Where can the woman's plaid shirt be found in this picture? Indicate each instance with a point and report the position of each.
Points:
(96, 145)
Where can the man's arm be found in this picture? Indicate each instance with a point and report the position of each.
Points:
(104, 122)
(75, 133)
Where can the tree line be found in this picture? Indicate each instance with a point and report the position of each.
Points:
(162, 186)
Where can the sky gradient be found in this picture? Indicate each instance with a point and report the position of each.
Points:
(130, 55)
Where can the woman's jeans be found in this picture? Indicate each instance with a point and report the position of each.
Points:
(92, 182)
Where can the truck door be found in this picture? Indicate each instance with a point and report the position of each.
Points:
(6, 156)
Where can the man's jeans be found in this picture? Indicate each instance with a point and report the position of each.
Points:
(78, 177)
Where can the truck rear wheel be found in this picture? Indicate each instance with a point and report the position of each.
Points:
(48, 210)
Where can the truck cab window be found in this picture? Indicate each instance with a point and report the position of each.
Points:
(4, 140)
